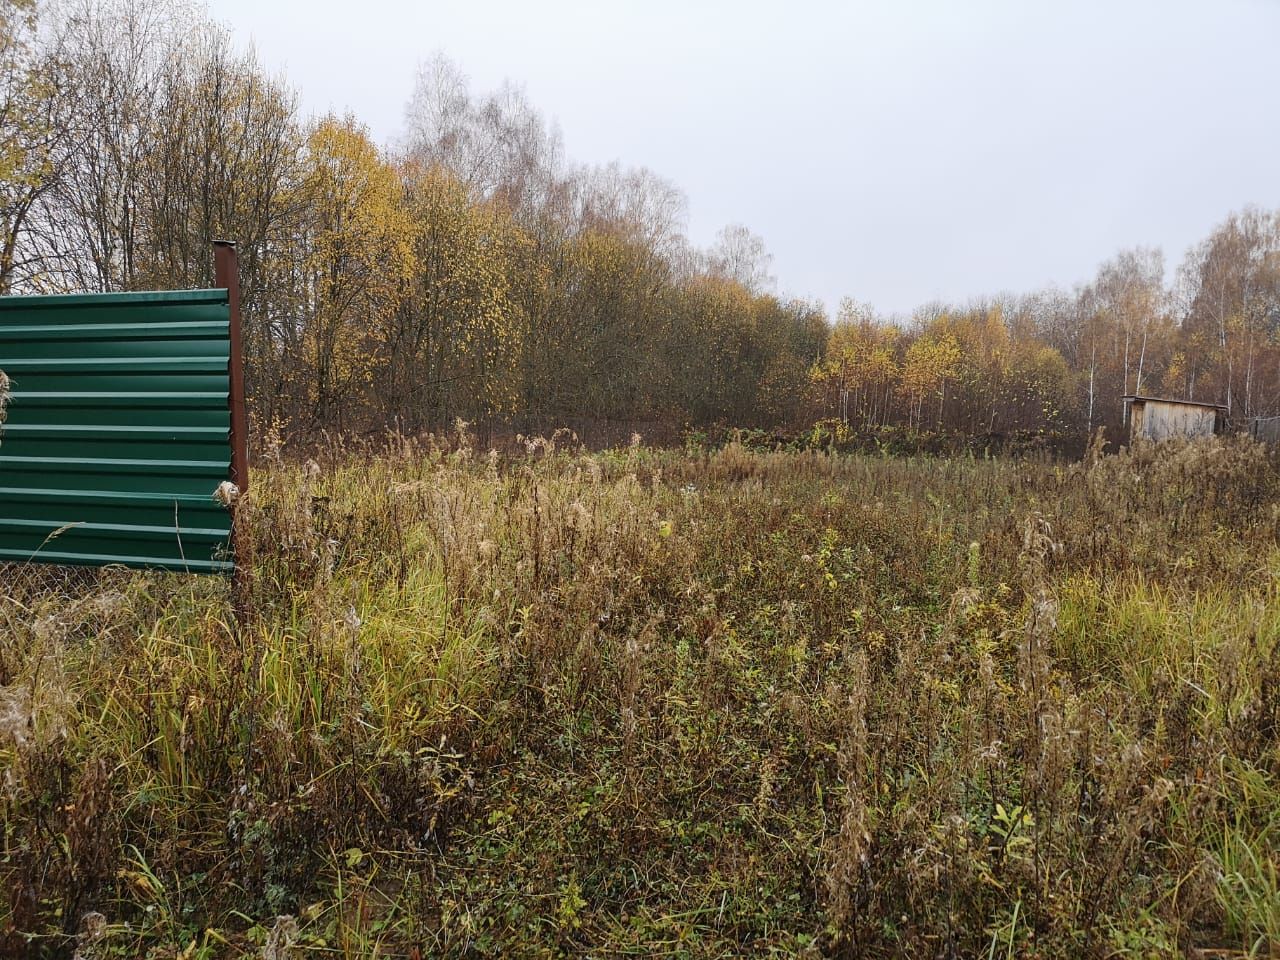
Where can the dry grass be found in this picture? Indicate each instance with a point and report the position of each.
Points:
(660, 704)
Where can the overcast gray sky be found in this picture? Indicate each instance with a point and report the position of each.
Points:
(895, 151)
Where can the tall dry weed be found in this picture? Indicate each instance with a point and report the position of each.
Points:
(729, 703)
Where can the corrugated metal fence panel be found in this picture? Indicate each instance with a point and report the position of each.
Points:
(1265, 429)
(118, 429)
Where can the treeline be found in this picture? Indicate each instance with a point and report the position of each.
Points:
(470, 270)
(1061, 361)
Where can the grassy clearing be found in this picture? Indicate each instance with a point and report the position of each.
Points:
(667, 704)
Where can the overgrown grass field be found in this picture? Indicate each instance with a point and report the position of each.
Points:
(684, 704)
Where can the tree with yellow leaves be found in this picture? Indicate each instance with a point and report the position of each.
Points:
(357, 253)
(859, 370)
(931, 361)
(451, 347)
(30, 130)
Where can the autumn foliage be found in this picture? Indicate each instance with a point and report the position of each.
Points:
(469, 270)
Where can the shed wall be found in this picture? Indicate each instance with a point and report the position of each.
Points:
(1164, 421)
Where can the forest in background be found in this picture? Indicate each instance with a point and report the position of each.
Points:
(471, 270)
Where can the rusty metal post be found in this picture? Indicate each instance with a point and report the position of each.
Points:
(227, 275)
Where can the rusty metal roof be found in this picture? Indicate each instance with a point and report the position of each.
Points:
(1139, 398)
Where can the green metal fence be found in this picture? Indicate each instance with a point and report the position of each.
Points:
(118, 430)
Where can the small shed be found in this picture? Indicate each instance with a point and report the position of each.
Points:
(1157, 418)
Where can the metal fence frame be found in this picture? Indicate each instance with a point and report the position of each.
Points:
(126, 414)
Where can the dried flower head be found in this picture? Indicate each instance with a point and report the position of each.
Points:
(227, 494)
(15, 714)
